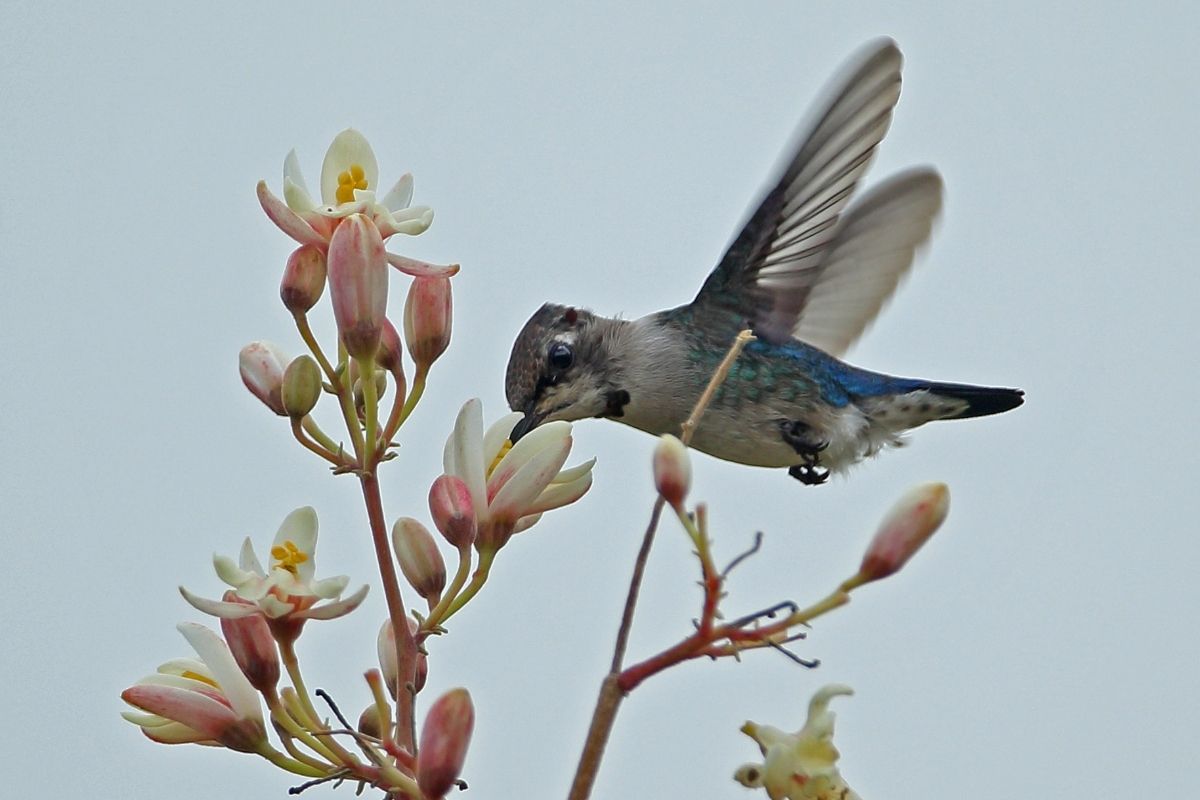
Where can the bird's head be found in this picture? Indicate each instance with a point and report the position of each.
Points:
(562, 367)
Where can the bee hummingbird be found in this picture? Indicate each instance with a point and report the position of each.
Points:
(806, 274)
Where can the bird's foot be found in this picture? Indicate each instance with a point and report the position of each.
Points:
(805, 441)
(809, 474)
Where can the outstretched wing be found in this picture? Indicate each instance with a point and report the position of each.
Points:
(872, 250)
(772, 270)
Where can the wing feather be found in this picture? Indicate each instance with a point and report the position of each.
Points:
(871, 252)
(769, 271)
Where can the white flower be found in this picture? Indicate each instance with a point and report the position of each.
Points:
(349, 185)
(207, 701)
(289, 592)
(511, 486)
(801, 765)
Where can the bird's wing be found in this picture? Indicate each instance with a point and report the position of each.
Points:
(770, 273)
(872, 250)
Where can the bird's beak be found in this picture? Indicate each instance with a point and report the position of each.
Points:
(530, 421)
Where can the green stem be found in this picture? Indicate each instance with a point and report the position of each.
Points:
(477, 581)
(460, 577)
(290, 764)
(366, 376)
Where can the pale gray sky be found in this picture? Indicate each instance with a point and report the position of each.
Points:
(1045, 643)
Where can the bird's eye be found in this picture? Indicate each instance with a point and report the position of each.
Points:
(561, 356)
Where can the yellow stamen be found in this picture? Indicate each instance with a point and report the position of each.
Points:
(504, 448)
(288, 556)
(348, 181)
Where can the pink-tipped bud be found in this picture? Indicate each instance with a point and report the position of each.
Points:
(303, 279)
(301, 387)
(453, 510)
(672, 470)
(261, 365)
(909, 524)
(385, 646)
(445, 737)
(249, 639)
(419, 558)
(358, 284)
(427, 317)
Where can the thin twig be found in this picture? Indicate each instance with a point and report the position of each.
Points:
(611, 693)
(754, 548)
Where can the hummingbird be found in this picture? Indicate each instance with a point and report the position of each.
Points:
(807, 274)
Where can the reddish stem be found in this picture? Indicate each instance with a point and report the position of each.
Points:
(406, 645)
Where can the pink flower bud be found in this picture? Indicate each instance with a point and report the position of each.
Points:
(419, 558)
(301, 387)
(303, 279)
(358, 284)
(672, 470)
(453, 510)
(385, 647)
(427, 316)
(388, 356)
(445, 737)
(249, 639)
(261, 365)
(909, 524)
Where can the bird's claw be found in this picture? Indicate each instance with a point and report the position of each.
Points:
(809, 474)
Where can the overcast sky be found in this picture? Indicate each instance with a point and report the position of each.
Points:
(1045, 644)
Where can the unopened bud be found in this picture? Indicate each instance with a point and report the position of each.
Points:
(445, 737)
(249, 639)
(261, 365)
(909, 524)
(390, 347)
(385, 646)
(301, 387)
(358, 284)
(369, 722)
(672, 470)
(453, 510)
(303, 279)
(380, 386)
(427, 317)
(419, 558)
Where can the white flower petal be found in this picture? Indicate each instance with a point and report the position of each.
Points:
(399, 196)
(557, 495)
(329, 588)
(412, 221)
(534, 476)
(525, 523)
(549, 435)
(179, 666)
(498, 434)
(230, 573)
(249, 561)
(574, 473)
(347, 148)
(286, 219)
(336, 609)
(292, 173)
(467, 443)
(215, 654)
(300, 528)
(218, 608)
(297, 198)
(275, 608)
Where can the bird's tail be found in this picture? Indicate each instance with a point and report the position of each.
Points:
(981, 401)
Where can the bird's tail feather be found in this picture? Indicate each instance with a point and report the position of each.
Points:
(981, 400)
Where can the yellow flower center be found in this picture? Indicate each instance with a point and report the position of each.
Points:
(504, 448)
(288, 556)
(348, 181)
